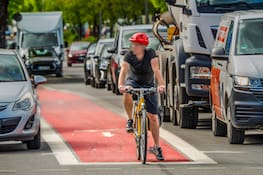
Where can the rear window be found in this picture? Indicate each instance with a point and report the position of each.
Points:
(10, 69)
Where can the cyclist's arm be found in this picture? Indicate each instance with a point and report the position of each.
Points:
(123, 73)
(156, 71)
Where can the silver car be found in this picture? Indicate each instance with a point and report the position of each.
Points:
(19, 108)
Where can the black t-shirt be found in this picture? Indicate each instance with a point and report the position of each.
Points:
(141, 70)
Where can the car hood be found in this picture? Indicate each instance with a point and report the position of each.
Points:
(42, 59)
(12, 91)
(248, 65)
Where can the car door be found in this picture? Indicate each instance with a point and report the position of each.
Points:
(219, 68)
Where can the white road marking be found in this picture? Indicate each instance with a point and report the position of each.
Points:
(65, 155)
(61, 151)
(107, 134)
(185, 148)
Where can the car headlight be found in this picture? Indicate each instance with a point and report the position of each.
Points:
(70, 55)
(25, 103)
(200, 72)
(27, 63)
(246, 81)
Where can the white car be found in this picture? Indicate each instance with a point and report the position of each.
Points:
(19, 108)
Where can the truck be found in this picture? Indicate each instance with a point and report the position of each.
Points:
(39, 29)
(185, 60)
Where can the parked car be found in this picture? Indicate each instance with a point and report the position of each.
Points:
(77, 52)
(121, 46)
(43, 61)
(90, 54)
(95, 77)
(20, 111)
(237, 75)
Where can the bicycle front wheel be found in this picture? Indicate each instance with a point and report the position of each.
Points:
(143, 138)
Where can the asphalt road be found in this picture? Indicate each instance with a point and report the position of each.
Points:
(228, 159)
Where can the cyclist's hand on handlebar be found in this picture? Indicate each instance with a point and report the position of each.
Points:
(124, 89)
(161, 88)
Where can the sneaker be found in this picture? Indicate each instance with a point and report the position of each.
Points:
(129, 126)
(157, 151)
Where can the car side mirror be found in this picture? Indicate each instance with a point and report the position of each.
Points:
(38, 79)
(218, 53)
(111, 50)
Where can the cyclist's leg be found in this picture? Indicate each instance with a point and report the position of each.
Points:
(152, 109)
(127, 103)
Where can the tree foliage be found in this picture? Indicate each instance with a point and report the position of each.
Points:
(78, 12)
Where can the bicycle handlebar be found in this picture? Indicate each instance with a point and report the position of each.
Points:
(141, 90)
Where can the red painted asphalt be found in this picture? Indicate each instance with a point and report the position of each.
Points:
(94, 133)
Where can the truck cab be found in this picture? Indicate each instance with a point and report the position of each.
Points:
(237, 75)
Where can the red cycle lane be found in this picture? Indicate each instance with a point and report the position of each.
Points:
(94, 133)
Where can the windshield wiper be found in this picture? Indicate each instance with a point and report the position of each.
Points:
(256, 53)
(233, 4)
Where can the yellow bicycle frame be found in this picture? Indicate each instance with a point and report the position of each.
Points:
(137, 118)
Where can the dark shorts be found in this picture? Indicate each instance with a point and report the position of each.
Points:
(150, 99)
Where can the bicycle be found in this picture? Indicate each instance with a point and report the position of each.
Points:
(141, 122)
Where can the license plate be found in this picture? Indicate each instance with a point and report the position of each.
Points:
(43, 68)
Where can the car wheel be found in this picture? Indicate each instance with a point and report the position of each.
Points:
(235, 135)
(69, 65)
(36, 142)
(59, 74)
(218, 127)
(92, 82)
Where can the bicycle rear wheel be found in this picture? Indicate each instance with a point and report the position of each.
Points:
(143, 138)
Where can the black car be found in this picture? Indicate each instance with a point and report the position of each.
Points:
(43, 61)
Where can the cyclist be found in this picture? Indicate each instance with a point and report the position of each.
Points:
(138, 68)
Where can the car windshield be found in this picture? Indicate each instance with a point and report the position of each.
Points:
(39, 40)
(10, 69)
(41, 53)
(91, 49)
(105, 53)
(250, 42)
(79, 46)
(128, 33)
(223, 6)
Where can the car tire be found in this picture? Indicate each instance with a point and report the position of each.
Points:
(187, 117)
(219, 128)
(36, 142)
(235, 135)
(69, 65)
(164, 113)
(60, 74)
(92, 82)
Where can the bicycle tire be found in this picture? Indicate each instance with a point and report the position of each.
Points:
(143, 138)
(137, 138)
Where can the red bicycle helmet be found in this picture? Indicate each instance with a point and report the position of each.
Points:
(140, 38)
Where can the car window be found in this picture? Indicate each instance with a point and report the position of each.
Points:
(250, 37)
(128, 33)
(92, 48)
(79, 46)
(229, 38)
(105, 50)
(11, 69)
(41, 53)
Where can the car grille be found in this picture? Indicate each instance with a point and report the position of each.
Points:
(8, 124)
(3, 106)
(258, 94)
(243, 113)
